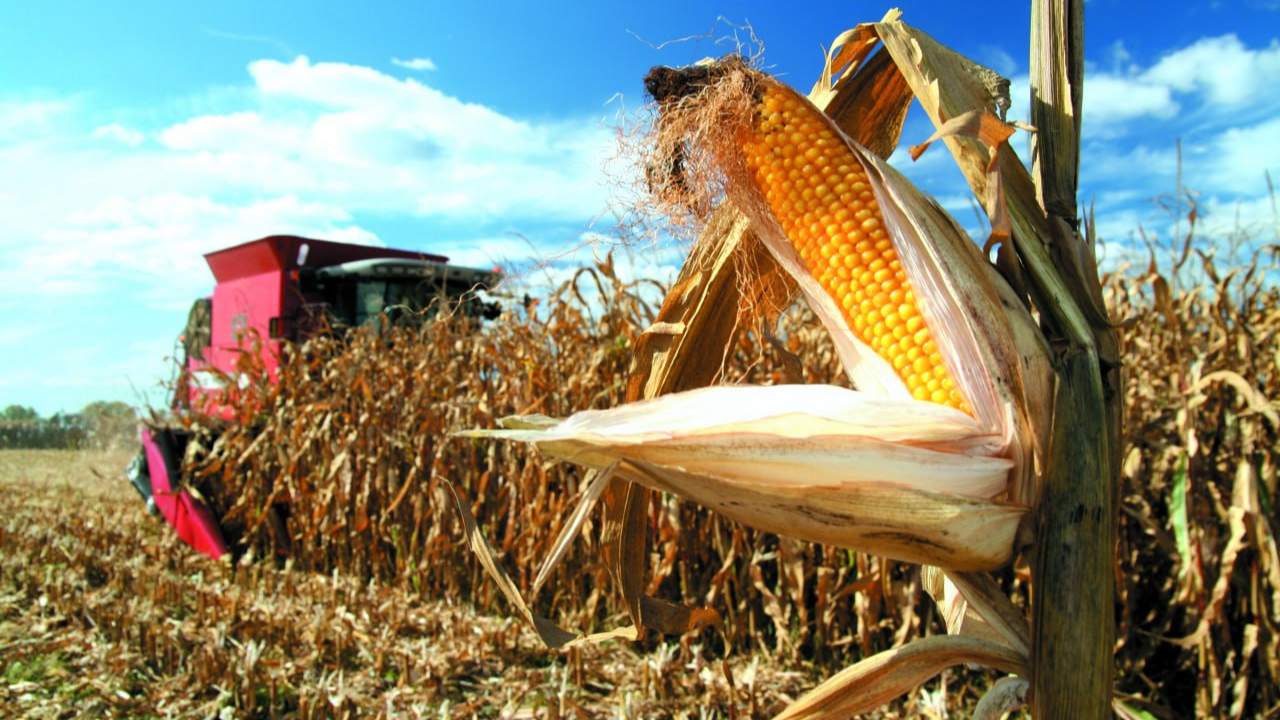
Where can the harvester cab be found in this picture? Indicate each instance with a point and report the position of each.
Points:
(268, 293)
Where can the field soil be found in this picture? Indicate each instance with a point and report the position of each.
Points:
(104, 613)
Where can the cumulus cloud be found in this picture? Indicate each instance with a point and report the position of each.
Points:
(997, 59)
(1215, 97)
(1110, 98)
(1252, 217)
(316, 145)
(513, 253)
(1222, 69)
(103, 210)
(376, 142)
(418, 64)
(1109, 164)
(1218, 74)
(1238, 158)
(156, 244)
(642, 272)
(242, 132)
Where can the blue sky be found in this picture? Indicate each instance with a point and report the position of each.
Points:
(135, 137)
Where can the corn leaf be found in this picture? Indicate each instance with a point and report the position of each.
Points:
(878, 679)
(1178, 516)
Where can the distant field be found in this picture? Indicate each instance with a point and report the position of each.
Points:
(94, 474)
(105, 613)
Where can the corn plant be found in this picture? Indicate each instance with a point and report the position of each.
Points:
(953, 450)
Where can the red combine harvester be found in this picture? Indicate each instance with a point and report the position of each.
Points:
(269, 292)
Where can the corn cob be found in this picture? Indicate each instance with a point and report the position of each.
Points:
(819, 193)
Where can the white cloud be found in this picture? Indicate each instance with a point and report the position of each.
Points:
(1233, 225)
(1215, 95)
(636, 269)
(155, 244)
(25, 119)
(371, 141)
(311, 146)
(937, 158)
(1106, 165)
(1222, 68)
(342, 85)
(1218, 73)
(14, 336)
(962, 207)
(419, 64)
(119, 133)
(1239, 158)
(102, 210)
(1111, 98)
(1121, 227)
(405, 107)
(242, 132)
(510, 252)
(1020, 98)
(107, 219)
(1253, 218)
(1118, 56)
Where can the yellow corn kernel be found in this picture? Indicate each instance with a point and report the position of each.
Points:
(820, 194)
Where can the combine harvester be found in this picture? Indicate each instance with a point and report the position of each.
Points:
(270, 292)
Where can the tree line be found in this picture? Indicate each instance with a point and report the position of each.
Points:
(101, 425)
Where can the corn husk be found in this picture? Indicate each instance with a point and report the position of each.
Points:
(777, 457)
(904, 479)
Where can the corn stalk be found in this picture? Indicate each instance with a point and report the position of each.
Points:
(1072, 571)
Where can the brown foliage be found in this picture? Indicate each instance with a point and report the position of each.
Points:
(356, 437)
(1198, 571)
(356, 434)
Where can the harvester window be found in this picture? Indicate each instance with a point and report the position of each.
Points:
(199, 330)
(397, 299)
(372, 299)
(345, 302)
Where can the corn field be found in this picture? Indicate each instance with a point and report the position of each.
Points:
(338, 604)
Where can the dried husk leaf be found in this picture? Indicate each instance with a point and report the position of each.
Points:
(596, 484)
(1005, 696)
(973, 604)
(803, 435)
(949, 85)
(821, 463)
(866, 96)
(944, 529)
(550, 634)
(875, 681)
